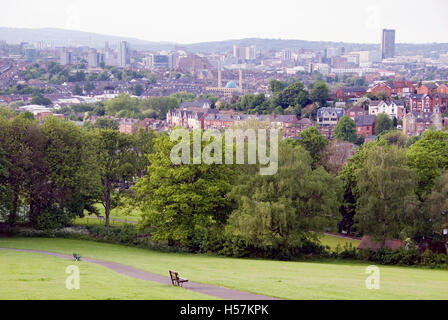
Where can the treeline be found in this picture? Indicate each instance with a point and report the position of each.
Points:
(393, 188)
(125, 106)
(55, 171)
(285, 99)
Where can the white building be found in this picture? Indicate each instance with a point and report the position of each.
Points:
(394, 109)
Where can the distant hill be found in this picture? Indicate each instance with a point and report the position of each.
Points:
(63, 37)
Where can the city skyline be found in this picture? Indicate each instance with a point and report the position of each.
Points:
(344, 21)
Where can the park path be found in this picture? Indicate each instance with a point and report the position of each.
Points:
(220, 292)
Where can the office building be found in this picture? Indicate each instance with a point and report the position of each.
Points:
(388, 44)
(124, 58)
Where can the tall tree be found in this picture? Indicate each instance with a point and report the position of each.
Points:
(428, 157)
(386, 194)
(277, 213)
(113, 156)
(179, 201)
(320, 93)
(313, 142)
(383, 123)
(345, 130)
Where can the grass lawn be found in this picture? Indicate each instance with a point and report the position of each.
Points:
(95, 222)
(129, 214)
(35, 276)
(333, 241)
(288, 280)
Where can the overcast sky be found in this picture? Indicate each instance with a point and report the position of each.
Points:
(189, 21)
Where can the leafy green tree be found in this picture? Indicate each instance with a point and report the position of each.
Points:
(313, 142)
(386, 202)
(106, 123)
(114, 154)
(428, 157)
(320, 93)
(276, 86)
(15, 141)
(39, 99)
(73, 181)
(77, 91)
(293, 95)
(277, 213)
(437, 205)
(89, 86)
(5, 191)
(180, 201)
(138, 90)
(383, 123)
(345, 130)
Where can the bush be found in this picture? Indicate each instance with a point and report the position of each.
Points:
(52, 219)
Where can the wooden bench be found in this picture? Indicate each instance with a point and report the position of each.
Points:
(176, 280)
(76, 257)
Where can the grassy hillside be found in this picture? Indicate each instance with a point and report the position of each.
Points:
(288, 280)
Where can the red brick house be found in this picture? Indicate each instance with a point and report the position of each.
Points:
(365, 125)
(354, 112)
(346, 93)
(381, 87)
(428, 88)
(442, 89)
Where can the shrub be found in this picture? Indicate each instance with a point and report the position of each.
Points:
(52, 219)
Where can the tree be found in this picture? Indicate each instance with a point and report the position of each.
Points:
(386, 194)
(293, 95)
(71, 174)
(382, 95)
(138, 90)
(39, 99)
(437, 205)
(276, 86)
(77, 91)
(320, 93)
(345, 130)
(17, 153)
(428, 157)
(313, 142)
(5, 191)
(89, 86)
(364, 103)
(277, 214)
(336, 154)
(179, 201)
(383, 123)
(113, 151)
(106, 123)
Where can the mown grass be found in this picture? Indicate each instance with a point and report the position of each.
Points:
(288, 280)
(35, 276)
(333, 241)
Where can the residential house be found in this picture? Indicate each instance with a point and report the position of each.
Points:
(365, 125)
(393, 108)
(329, 116)
(415, 123)
(347, 93)
(356, 111)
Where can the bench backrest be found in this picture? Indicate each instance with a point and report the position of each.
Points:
(174, 277)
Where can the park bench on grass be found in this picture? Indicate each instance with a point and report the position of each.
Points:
(76, 257)
(176, 280)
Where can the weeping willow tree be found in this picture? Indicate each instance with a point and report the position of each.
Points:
(278, 214)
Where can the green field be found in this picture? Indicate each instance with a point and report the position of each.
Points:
(288, 280)
(26, 275)
(334, 241)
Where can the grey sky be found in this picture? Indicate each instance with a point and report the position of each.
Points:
(188, 21)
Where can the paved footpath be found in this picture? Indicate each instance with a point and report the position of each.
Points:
(220, 292)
